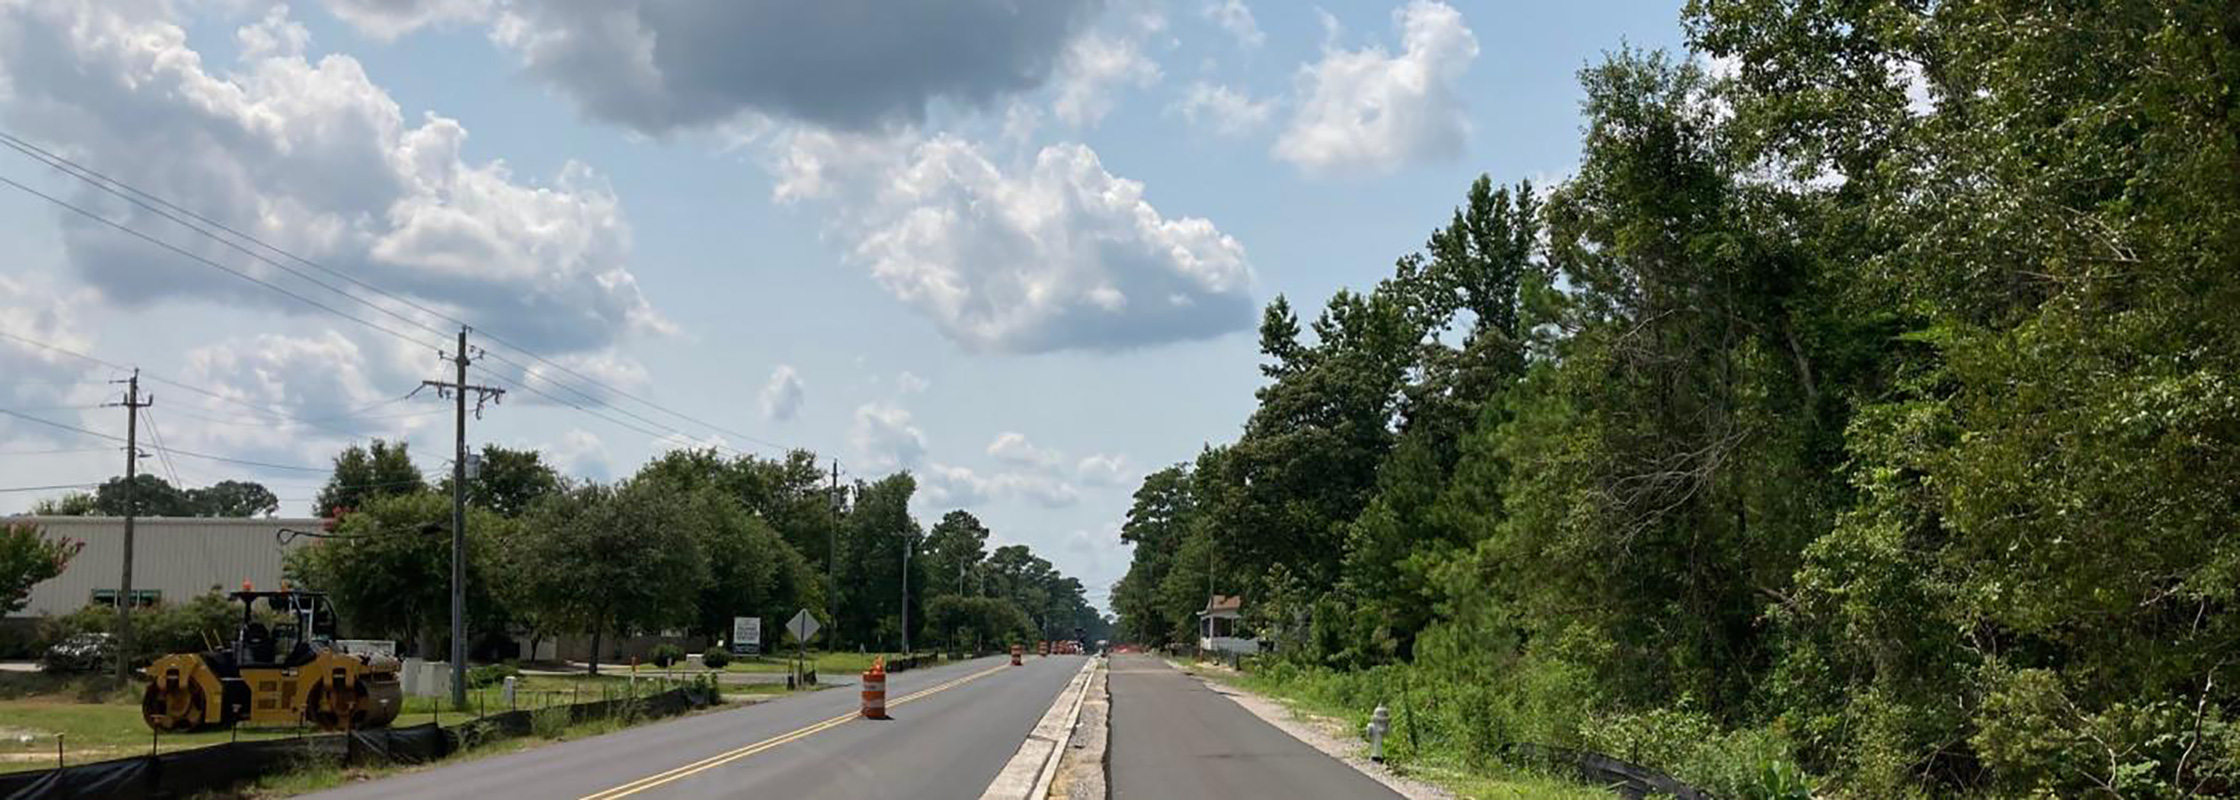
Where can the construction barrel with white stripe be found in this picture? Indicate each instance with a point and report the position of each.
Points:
(875, 690)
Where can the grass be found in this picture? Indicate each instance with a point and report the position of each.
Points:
(315, 775)
(826, 663)
(1494, 783)
(97, 720)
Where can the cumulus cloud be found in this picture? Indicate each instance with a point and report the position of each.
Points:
(781, 396)
(909, 382)
(1055, 254)
(1094, 68)
(580, 453)
(316, 392)
(1100, 469)
(388, 19)
(35, 307)
(1236, 18)
(1014, 447)
(886, 438)
(311, 155)
(1368, 111)
(659, 66)
(947, 485)
(1222, 110)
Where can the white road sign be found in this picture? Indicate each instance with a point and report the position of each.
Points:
(802, 626)
(746, 636)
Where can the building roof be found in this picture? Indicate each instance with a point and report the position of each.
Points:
(1230, 603)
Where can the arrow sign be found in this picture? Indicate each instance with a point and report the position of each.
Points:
(802, 626)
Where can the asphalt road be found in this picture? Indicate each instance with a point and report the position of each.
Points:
(946, 744)
(1174, 739)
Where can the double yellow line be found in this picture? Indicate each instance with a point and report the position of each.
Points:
(729, 756)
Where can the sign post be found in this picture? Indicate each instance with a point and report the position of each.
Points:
(802, 626)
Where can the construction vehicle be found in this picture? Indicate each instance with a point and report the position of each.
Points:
(281, 669)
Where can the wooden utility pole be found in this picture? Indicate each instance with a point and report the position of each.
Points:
(132, 405)
(458, 391)
(832, 559)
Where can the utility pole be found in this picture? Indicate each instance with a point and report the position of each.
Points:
(458, 390)
(906, 594)
(132, 405)
(832, 558)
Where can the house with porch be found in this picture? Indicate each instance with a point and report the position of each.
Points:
(1220, 627)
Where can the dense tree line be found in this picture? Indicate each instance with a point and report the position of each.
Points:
(686, 544)
(1872, 402)
(155, 497)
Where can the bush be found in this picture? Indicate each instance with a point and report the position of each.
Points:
(491, 675)
(189, 627)
(715, 658)
(665, 655)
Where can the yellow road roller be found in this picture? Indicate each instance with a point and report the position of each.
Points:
(281, 669)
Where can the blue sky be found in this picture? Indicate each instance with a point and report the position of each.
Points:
(1018, 252)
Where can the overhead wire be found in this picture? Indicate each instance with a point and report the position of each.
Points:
(158, 205)
(163, 454)
(178, 451)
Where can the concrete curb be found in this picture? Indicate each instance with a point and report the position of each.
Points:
(1034, 766)
(1082, 768)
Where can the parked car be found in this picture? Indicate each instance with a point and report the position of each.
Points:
(85, 652)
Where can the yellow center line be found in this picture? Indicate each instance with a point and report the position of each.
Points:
(729, 756)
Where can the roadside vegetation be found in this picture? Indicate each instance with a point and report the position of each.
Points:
(1859, 419)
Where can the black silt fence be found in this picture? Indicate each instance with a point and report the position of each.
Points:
(184, 773)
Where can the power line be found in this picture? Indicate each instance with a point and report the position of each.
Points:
(135, 233)
(163, 453)
(13, 489)
(150, 202)
(187, 453)
(54, 452)
(274, 413)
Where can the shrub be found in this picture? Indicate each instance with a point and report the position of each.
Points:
(715, 658)
(491, 675)
(664, 655)
(165, 628)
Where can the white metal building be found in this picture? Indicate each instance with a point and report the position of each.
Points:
(174, 558)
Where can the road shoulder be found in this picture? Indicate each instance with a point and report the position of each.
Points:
(1332, 737)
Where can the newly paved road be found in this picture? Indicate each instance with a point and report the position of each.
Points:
(1174, 739)
(946, 744)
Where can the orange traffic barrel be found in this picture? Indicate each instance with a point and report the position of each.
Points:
(1016, 651)
(875, 690)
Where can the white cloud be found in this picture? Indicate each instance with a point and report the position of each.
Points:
(388, 19)
(1013, 447)
(1370, 112)
(659, 66)
(886, 439)
(1095, 66)
(1053, 255)
(312, 156)
(909, 383)
(953, 486)
(1102, 470)
(781, 396)
(1236, 18)
(580, 453)
(1223, 111)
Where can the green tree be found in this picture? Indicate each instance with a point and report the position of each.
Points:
(377, 469)
(233, 499)
(510, 481)
(28, 558)
(388, 568)
(953, 552)
(73, 504)
(152, 496)
(621, 559)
